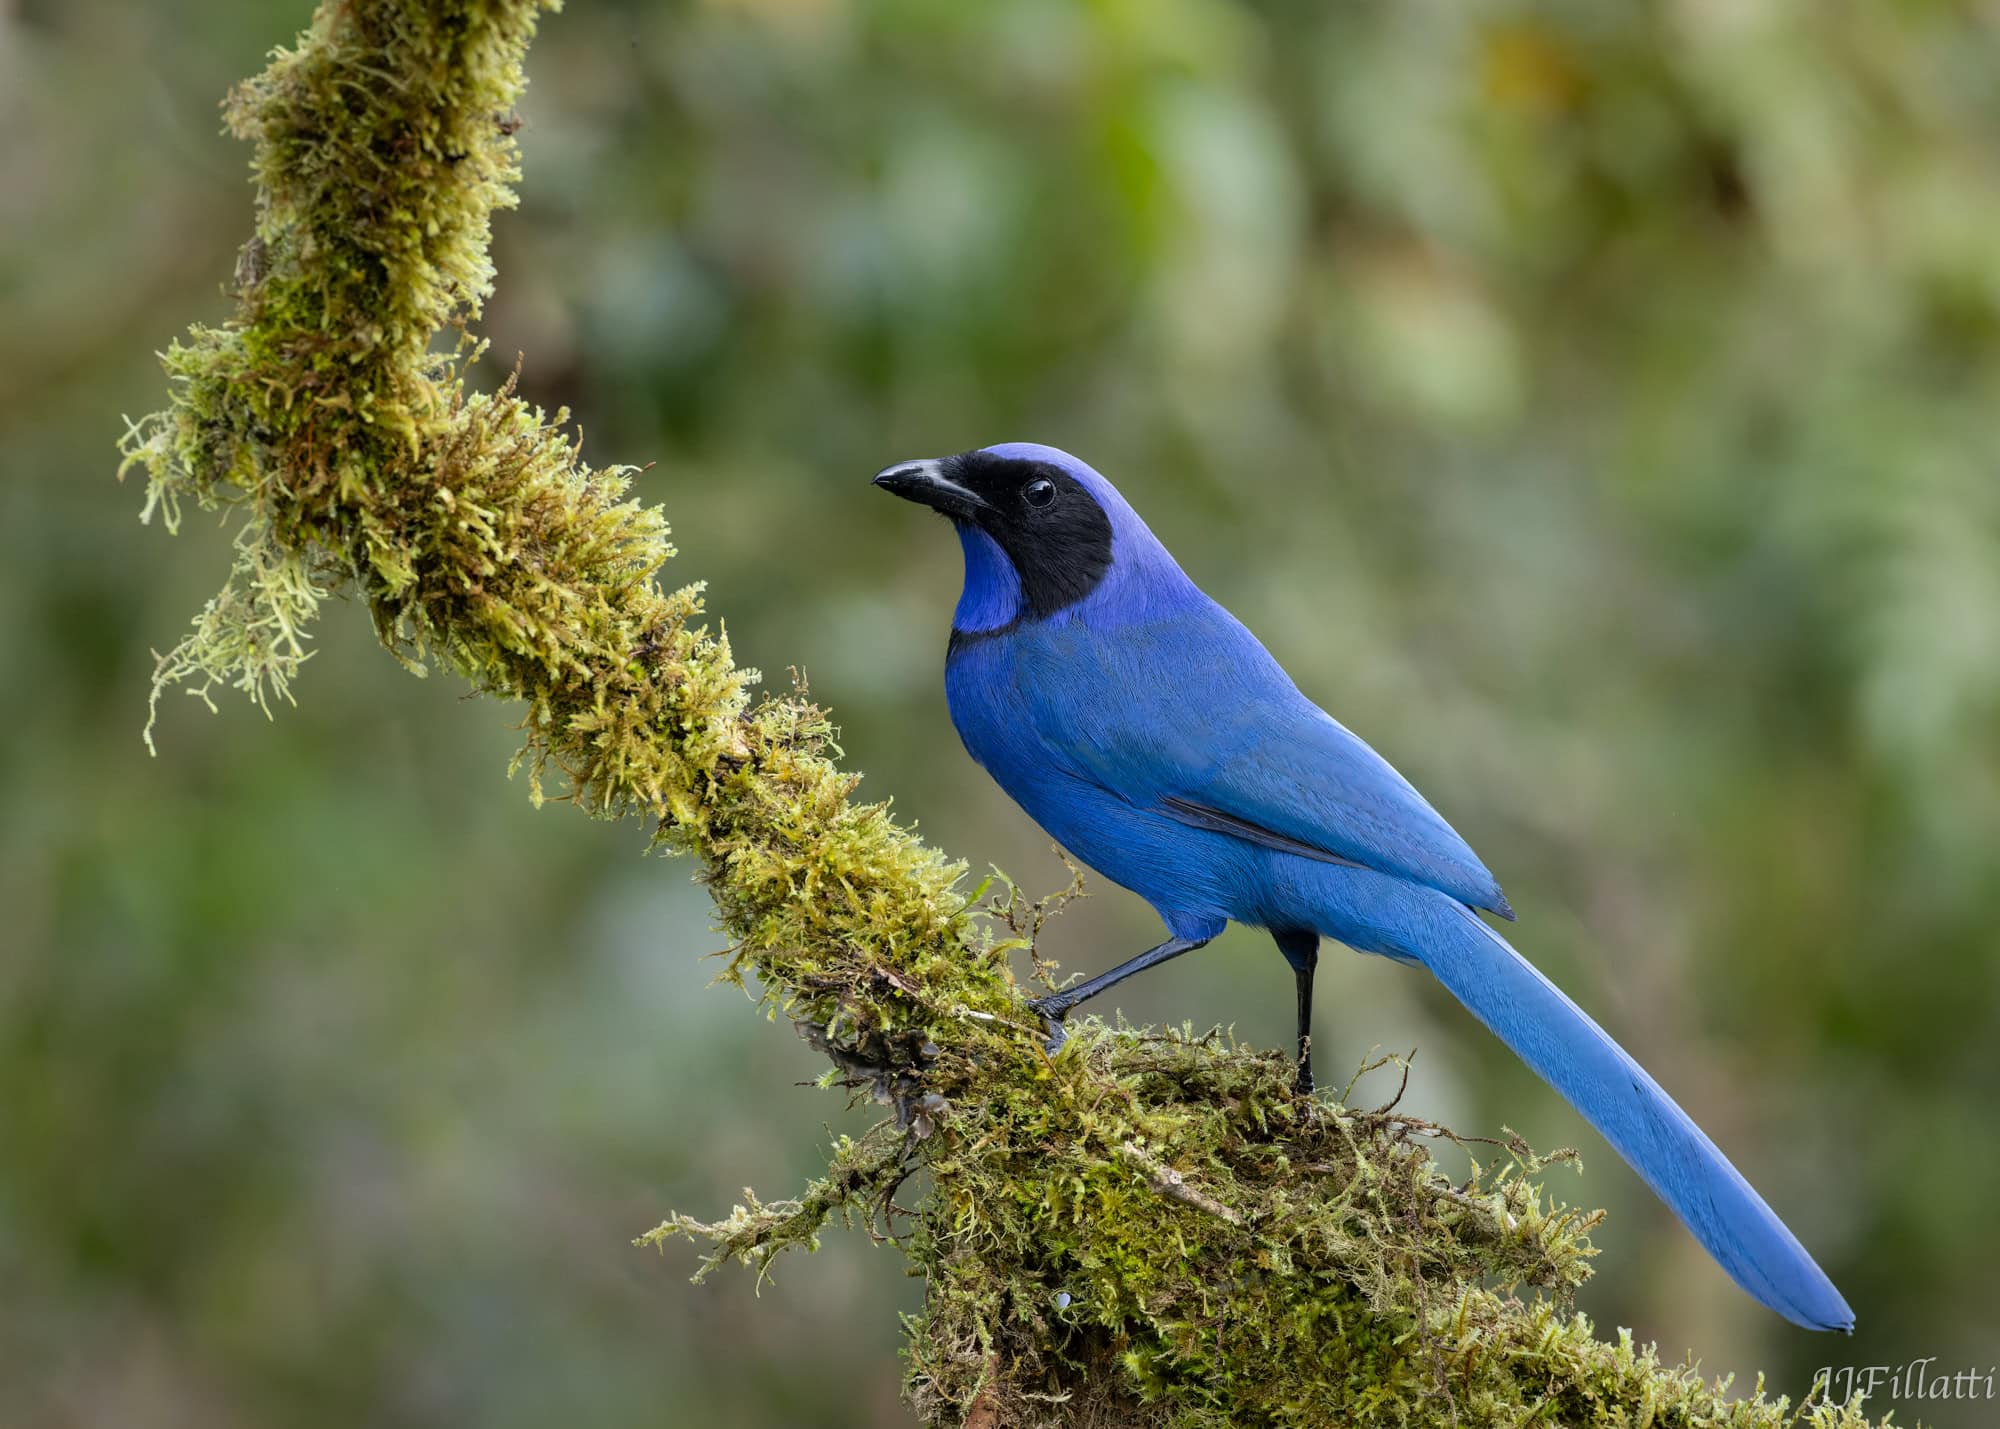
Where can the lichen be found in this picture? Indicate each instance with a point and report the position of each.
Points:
(1147, 1228)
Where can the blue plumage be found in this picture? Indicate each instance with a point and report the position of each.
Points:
(1152, 735)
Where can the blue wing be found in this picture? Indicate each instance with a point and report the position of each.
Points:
(1181, 712)
(1189, 715)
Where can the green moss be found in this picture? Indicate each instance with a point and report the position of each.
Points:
(1149, 1228)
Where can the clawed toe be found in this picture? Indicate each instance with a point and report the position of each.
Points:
(1052, 1010)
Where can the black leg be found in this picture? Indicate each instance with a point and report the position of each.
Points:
(1304, 1083)
(1301, 950)
(1055, 1007)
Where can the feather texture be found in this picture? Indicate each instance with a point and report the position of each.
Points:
(1150, 733)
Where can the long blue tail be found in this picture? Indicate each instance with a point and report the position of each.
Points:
(1575, 1056)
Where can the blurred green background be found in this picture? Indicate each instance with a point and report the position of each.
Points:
(1591, 404)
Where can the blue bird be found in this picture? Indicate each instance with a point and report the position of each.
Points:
(1151, 734)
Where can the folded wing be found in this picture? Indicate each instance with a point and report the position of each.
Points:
(1190, 715)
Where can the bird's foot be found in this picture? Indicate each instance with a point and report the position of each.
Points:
(1302, 1084)
(1053, 1009)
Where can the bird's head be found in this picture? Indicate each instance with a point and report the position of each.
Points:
(1040, 528)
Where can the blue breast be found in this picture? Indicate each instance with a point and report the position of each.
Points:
(1196, 880)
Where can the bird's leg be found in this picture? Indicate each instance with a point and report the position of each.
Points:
(1301, 950)
(1055, 1007)
(1304, 1083)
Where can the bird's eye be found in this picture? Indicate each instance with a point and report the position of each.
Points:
(1039, 492)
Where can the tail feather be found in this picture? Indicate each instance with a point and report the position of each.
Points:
(1674, 1156)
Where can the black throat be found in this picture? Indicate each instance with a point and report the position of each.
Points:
(1060, 550)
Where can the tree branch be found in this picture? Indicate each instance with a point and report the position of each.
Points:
(1149, 1228)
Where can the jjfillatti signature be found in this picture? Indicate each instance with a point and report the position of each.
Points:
(1915, 1380)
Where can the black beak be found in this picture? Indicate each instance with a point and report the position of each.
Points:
(925, 483)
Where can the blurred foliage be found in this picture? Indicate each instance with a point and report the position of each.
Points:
(1588, 404)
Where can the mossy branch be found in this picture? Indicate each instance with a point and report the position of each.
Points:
(1149, 1228)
